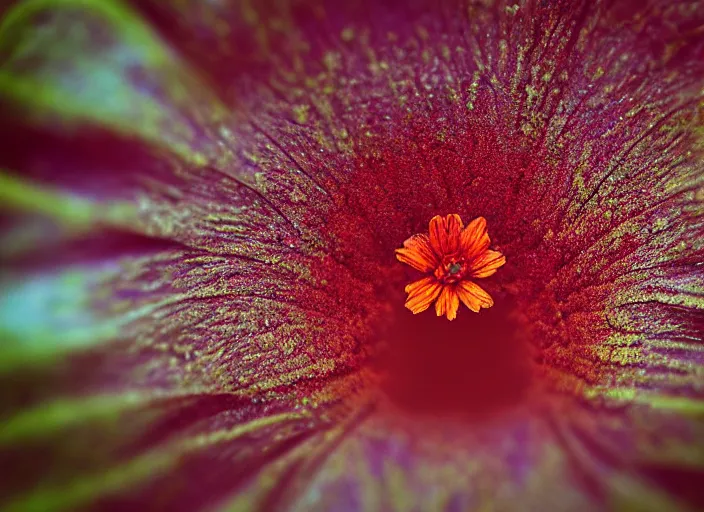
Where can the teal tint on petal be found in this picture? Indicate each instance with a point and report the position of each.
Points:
(44, 313)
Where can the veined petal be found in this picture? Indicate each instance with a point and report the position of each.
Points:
(418, 253)
(448, 303)
(487, 263)
(206, 427)
(575, 126)
(422, 293)
(474, 238)
(445, 233)
(144, 128)
(57, 64)
(473, 296)
(127, 116)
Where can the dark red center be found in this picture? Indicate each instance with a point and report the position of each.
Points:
(451, 270)
(470, 369)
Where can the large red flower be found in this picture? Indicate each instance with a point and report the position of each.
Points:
(200, 304)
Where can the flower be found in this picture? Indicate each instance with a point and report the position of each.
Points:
(454, 254)
(200, 306)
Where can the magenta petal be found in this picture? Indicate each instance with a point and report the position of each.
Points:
(239, 340)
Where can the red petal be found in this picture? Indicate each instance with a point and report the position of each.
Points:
(486, 264)
(474, 238)
(421, 294)
(473, 296)
(445, 233)
(448, 303)
(418, 253)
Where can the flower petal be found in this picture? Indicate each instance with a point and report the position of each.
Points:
(422, 293)
(418, 253)
(487, 263)
(579, 131)
(174, 437)
(474, 238)
(445, 233)
(98, 62)
(143, 127)
(473, 296)
(448, 303)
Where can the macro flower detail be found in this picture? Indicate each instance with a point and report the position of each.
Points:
(201, 307)
(455, 255)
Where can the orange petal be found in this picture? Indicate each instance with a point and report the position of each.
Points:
(474, 239)
(418, 254)
(448, 303)
(473, 296)
(487, 263)
(445, 234)
(422, 293)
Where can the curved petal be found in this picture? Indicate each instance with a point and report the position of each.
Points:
(473, 296)
(422, 293)
(129, 81)
(487, 263)
(418, 253)
(445, 234)
(474, 238)
(576, 124)
(448, 303)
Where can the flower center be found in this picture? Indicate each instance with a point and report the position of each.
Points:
(455, 268)
(452, 270)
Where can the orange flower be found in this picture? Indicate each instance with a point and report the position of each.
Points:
(453, 255)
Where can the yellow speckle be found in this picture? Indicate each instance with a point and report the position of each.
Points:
(300, 113)
(347, 34)
(446, 53)
(331, 60)
(532, 94)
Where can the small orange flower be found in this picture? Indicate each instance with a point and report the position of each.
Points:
(452, 255)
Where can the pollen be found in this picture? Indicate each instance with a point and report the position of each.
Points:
(453, 257)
